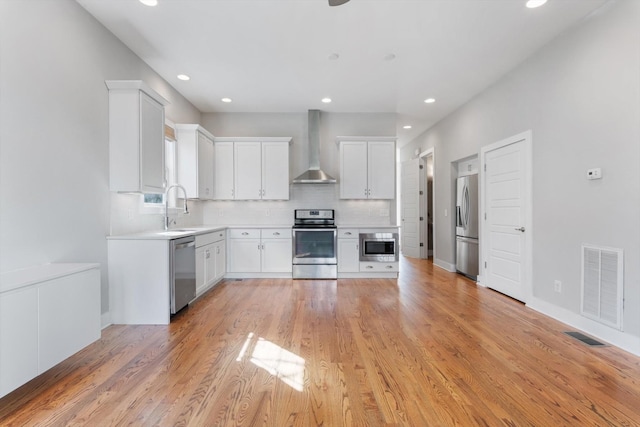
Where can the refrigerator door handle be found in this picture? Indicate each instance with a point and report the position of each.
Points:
(458, 217)
(466, 207)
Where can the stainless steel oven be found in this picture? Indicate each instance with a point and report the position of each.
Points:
(379, 247)
(314, 244)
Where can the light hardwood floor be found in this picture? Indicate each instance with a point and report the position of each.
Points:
(430, 349)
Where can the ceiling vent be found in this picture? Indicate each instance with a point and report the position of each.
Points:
(314, 175)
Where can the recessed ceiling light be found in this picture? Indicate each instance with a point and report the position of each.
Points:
(227, 100)
(184, 77)
(149, 2)
(535, 3)
(333, 57)
(326, 100)
(389, 57)
(429, 100)
(406, 127)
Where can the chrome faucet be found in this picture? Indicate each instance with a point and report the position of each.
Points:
(166, 204)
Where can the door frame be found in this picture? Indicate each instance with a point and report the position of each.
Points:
(485, 244)
(424, 253)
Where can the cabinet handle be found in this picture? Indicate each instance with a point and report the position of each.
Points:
(357, 247)
(208, 254)
(369, 266)
(217, 249)
(276, 234)
(348, 233)
(263, 192)
(365, 191)
(259, 247)
(389, 266)
(244, 233)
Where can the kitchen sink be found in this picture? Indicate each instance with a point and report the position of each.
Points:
(177, 231)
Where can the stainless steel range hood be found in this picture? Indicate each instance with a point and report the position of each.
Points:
(314, 175)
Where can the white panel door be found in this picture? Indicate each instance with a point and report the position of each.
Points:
(275, 171)
(151, 145)
(205, 167)
(381, 170)
(223, 171)
(248, 170)
(353, 170)
(410, 207)
(505, 207)
(348, 256)
(276, 256)
(244, 255)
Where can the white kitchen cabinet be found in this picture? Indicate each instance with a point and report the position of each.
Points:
(223, 171)
(244, 256)
(255, 169)
(136, 137)
(195, 160)
(267, 252)
(210, 260)
(47, 313)
(19, 333)
(367, 168)
(348, 251)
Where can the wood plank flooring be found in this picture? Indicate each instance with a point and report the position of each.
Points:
(430, 349)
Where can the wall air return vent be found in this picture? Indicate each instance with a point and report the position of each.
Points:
(602, 290)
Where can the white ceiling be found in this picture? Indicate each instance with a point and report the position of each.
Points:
(273, 55)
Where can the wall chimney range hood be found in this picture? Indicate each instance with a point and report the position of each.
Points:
(314, 175)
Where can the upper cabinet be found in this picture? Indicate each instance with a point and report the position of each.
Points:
(195, 161)
(251, 168)
(136, 137)
(367, 167)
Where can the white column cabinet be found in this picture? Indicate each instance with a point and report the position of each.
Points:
(251, 168)
(367, 167)
(136, 137)
(195, 161)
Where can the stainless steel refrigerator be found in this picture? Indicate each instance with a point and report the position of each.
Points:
(467, 249)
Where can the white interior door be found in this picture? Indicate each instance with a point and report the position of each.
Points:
(410, 213)
(506, 252)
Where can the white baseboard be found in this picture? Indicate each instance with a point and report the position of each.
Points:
(619, 339)
(451, 268)
(105, 319)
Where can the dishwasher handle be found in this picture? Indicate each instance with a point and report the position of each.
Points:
(185, 245)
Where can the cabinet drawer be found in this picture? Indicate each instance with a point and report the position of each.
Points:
(276, 233)
(379, 267)
(206, 239)
(348, 233)
(244, 233)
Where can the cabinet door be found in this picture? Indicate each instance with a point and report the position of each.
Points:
(248, 170)
(205, 167)
(221, 259)
(353, 170)
(348, 256)
(381, 169)
(276, 255)
(244, 256)
(223, 171)
(210, 263)
(19, 332)
(201, 270)
(151, 145)
(275, 170)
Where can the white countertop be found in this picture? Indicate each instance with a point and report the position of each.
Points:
(178, 232)
(28, 276)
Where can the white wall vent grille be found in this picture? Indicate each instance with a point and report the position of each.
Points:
(602, 290)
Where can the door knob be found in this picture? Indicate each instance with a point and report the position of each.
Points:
(520, 229)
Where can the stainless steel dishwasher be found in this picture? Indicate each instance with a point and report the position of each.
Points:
(183, 272)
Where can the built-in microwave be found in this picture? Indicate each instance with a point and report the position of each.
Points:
(379, 247)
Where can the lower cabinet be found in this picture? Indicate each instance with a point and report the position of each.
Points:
(348, 251)
(253, 250)
(210, 260)
(52, 316)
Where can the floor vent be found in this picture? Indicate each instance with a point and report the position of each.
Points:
(602, 288)
(238, 280)
(585, 339)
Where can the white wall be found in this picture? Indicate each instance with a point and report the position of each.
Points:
(580, 95)
(54, 195)
(301, 195)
